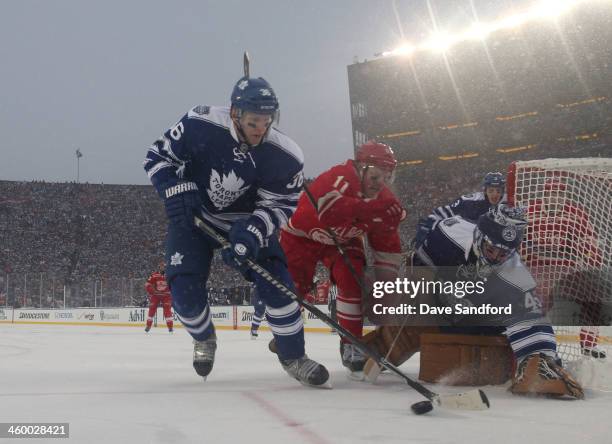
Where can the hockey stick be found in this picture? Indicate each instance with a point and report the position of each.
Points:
(472, 400)
(371, 370)
(246, 62)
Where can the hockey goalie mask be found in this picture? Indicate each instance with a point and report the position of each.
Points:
(498, 234)
(376, 167)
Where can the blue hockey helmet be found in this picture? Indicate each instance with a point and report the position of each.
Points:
(494, 180)
(499, 233)
(254, 95)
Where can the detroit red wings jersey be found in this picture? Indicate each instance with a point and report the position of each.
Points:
(156, 285)
(561, 235)
(335, 191)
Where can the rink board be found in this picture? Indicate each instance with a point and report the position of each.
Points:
(224, 317)
(237, 317)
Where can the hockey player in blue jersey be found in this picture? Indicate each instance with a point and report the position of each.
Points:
(487, 252)
(242, 176)
(469, 206)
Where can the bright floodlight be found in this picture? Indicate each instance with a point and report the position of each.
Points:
(439, 41)
(551, 8)
(402, 50)
(479, 31)
(512, 21)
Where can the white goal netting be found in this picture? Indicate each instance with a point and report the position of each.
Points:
(568, 245)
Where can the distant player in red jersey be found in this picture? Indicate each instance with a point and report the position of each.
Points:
(352, 201)
(158, 290)
(319, 291)
(561, 248)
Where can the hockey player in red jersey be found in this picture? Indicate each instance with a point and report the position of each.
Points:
(561, 247)
(342, 207)
(158, 290)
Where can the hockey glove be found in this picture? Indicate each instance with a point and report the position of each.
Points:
(246, 240)
(386, 211)
(182, 201)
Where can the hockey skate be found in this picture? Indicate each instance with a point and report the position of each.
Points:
(147, 329)
(307, 371)
(254, 334)
(272, 346)
(353, 359)
(542, 375)
(170, 330)
(204, 355)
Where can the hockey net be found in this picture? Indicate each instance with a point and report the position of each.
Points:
(568, 245)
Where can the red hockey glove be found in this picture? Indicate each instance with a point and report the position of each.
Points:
(381, 211)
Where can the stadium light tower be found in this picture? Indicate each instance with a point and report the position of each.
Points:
(78, 155)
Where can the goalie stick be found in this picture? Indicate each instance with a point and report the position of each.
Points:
(471, 400)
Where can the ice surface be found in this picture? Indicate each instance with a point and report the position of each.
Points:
(120, 385)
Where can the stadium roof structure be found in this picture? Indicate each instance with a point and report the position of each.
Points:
(517, 91)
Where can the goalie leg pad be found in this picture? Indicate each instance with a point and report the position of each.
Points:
(542, 375)
(462, 359)
(407, 341)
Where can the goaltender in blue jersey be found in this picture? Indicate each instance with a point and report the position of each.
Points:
(232, 168)
(487, 251)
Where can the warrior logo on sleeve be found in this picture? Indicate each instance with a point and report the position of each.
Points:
(224, 189)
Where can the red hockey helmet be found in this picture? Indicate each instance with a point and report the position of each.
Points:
(377, 154)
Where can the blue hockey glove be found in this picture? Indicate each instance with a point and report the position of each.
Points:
(246, 240)
(182, 202)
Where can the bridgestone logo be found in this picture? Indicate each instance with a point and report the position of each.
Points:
(181, 188)
(33, 315)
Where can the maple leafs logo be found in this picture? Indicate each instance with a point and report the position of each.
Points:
(224, 189)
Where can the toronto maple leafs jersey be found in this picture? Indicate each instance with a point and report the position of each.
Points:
(234, 182)
(469, 206)
(449, 249)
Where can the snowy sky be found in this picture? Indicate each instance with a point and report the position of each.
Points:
(108, 77)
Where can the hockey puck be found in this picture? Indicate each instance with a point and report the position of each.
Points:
(420, 408)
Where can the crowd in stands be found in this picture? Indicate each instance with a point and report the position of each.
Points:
(95, 240)
(94, 244)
